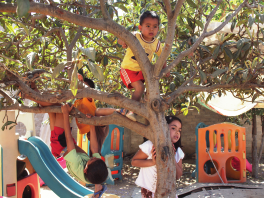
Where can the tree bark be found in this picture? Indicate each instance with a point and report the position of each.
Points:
(262, 140)
(166, 180)
(254, 145)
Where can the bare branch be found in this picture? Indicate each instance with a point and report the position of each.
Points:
(7, 97)
(168, 8)
(254, 5)
(84, 5)
(199, 40)
(197, 88)
(114, 99)
(104, 10)
(76, 37)
(118, 119)
(169, 39)
(99, 24)
(17, 61)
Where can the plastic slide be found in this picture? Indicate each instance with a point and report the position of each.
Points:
(49, 169)
(236, 164)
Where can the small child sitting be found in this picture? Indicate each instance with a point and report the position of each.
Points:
(130, 72)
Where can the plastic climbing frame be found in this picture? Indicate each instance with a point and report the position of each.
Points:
(208, 138)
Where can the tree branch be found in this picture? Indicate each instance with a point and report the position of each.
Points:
(119, 120)
(114, 99)
(169, 39)
(197, 88)
(168, 8)
(17, 61)
(200, 39)
(104, 10)
(7, 97)
(99, 24)
(115, 118)
(74, 40)
(254, 5)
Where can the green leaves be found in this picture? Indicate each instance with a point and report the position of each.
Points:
(202, 76)
(8, 123)
(74, 81)
(216, 52)
(218, 72)
(191, 4)
(30, 60)
(172, 86)
(22, 7)
(251, 20)
(57, 70)
(228, 53)
(89, 52)
(96, 70)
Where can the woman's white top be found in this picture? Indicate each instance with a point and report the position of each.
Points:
(147, 177)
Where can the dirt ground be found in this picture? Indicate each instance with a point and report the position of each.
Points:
(126, 187)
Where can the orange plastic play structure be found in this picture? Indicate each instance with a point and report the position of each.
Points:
(222, 152)
(33, 182)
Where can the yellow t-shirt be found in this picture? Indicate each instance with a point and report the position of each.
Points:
(150, 48)
(86, 106)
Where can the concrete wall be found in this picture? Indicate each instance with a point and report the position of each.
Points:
(132, 139)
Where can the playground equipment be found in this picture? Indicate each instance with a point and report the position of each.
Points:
(108, 148)
(213, 159)
(42, 161)
(9, 147)
(49, 169)
(28, 120)
(113, 144)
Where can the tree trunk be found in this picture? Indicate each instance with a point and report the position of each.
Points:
(166, 171)
(262, 140)
(254, 145)
(165, 161)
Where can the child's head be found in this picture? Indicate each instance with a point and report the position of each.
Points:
(89, 82)
(175, 126)
(149, 25)
(95, 171)
(148, 14)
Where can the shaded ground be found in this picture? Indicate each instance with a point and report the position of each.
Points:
(127, 188)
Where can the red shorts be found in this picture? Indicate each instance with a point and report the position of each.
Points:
(58, 141)
(129, 76)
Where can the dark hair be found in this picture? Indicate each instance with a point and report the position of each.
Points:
(148, 14)
(169, 120)
(89, 82)
(97, 172)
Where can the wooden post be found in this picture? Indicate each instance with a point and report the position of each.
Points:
(254, 145)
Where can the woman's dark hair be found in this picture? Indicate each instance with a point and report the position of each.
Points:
(169, 120)
(148, 14)
(89, 82)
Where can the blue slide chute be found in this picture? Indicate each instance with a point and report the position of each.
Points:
(49, 169)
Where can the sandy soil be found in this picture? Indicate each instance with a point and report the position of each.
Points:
(127, 187)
